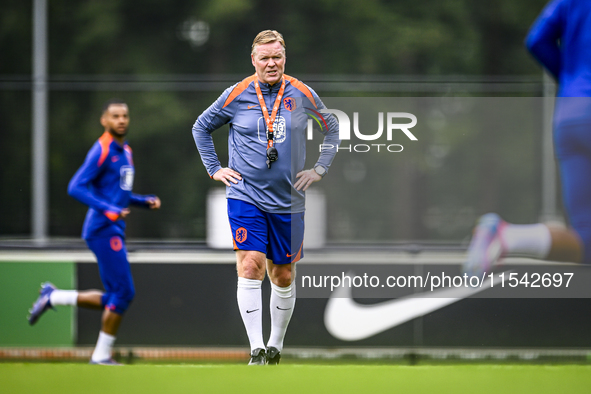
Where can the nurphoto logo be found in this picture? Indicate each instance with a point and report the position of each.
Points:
(393, 125)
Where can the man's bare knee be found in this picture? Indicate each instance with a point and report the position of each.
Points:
(280, 275)
(250, 265)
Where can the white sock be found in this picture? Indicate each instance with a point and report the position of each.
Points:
(282, 303)
(103, 348)
(250, 303)
(531, 240)
(63, 297)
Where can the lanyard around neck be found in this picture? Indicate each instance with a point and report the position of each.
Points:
(269, 120)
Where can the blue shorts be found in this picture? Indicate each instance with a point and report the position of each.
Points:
(279, 235)
(573, 151)
(115, 272)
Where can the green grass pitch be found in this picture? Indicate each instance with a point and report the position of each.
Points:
(61, 378)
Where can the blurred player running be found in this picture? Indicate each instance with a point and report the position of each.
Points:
(104, 183)
(560, 40)
(265, 181)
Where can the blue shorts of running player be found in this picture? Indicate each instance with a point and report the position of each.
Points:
(573, 151)
(115, 272)
(280, 236)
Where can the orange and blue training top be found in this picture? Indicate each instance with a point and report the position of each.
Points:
(270, 189)
(104, 183)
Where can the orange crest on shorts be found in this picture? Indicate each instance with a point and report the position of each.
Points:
(116, 244)
(241, 235)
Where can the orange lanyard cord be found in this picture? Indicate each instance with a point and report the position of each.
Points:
(269, 120)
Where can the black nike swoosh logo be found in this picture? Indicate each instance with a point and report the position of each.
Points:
(281, 309)
(254, 310)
